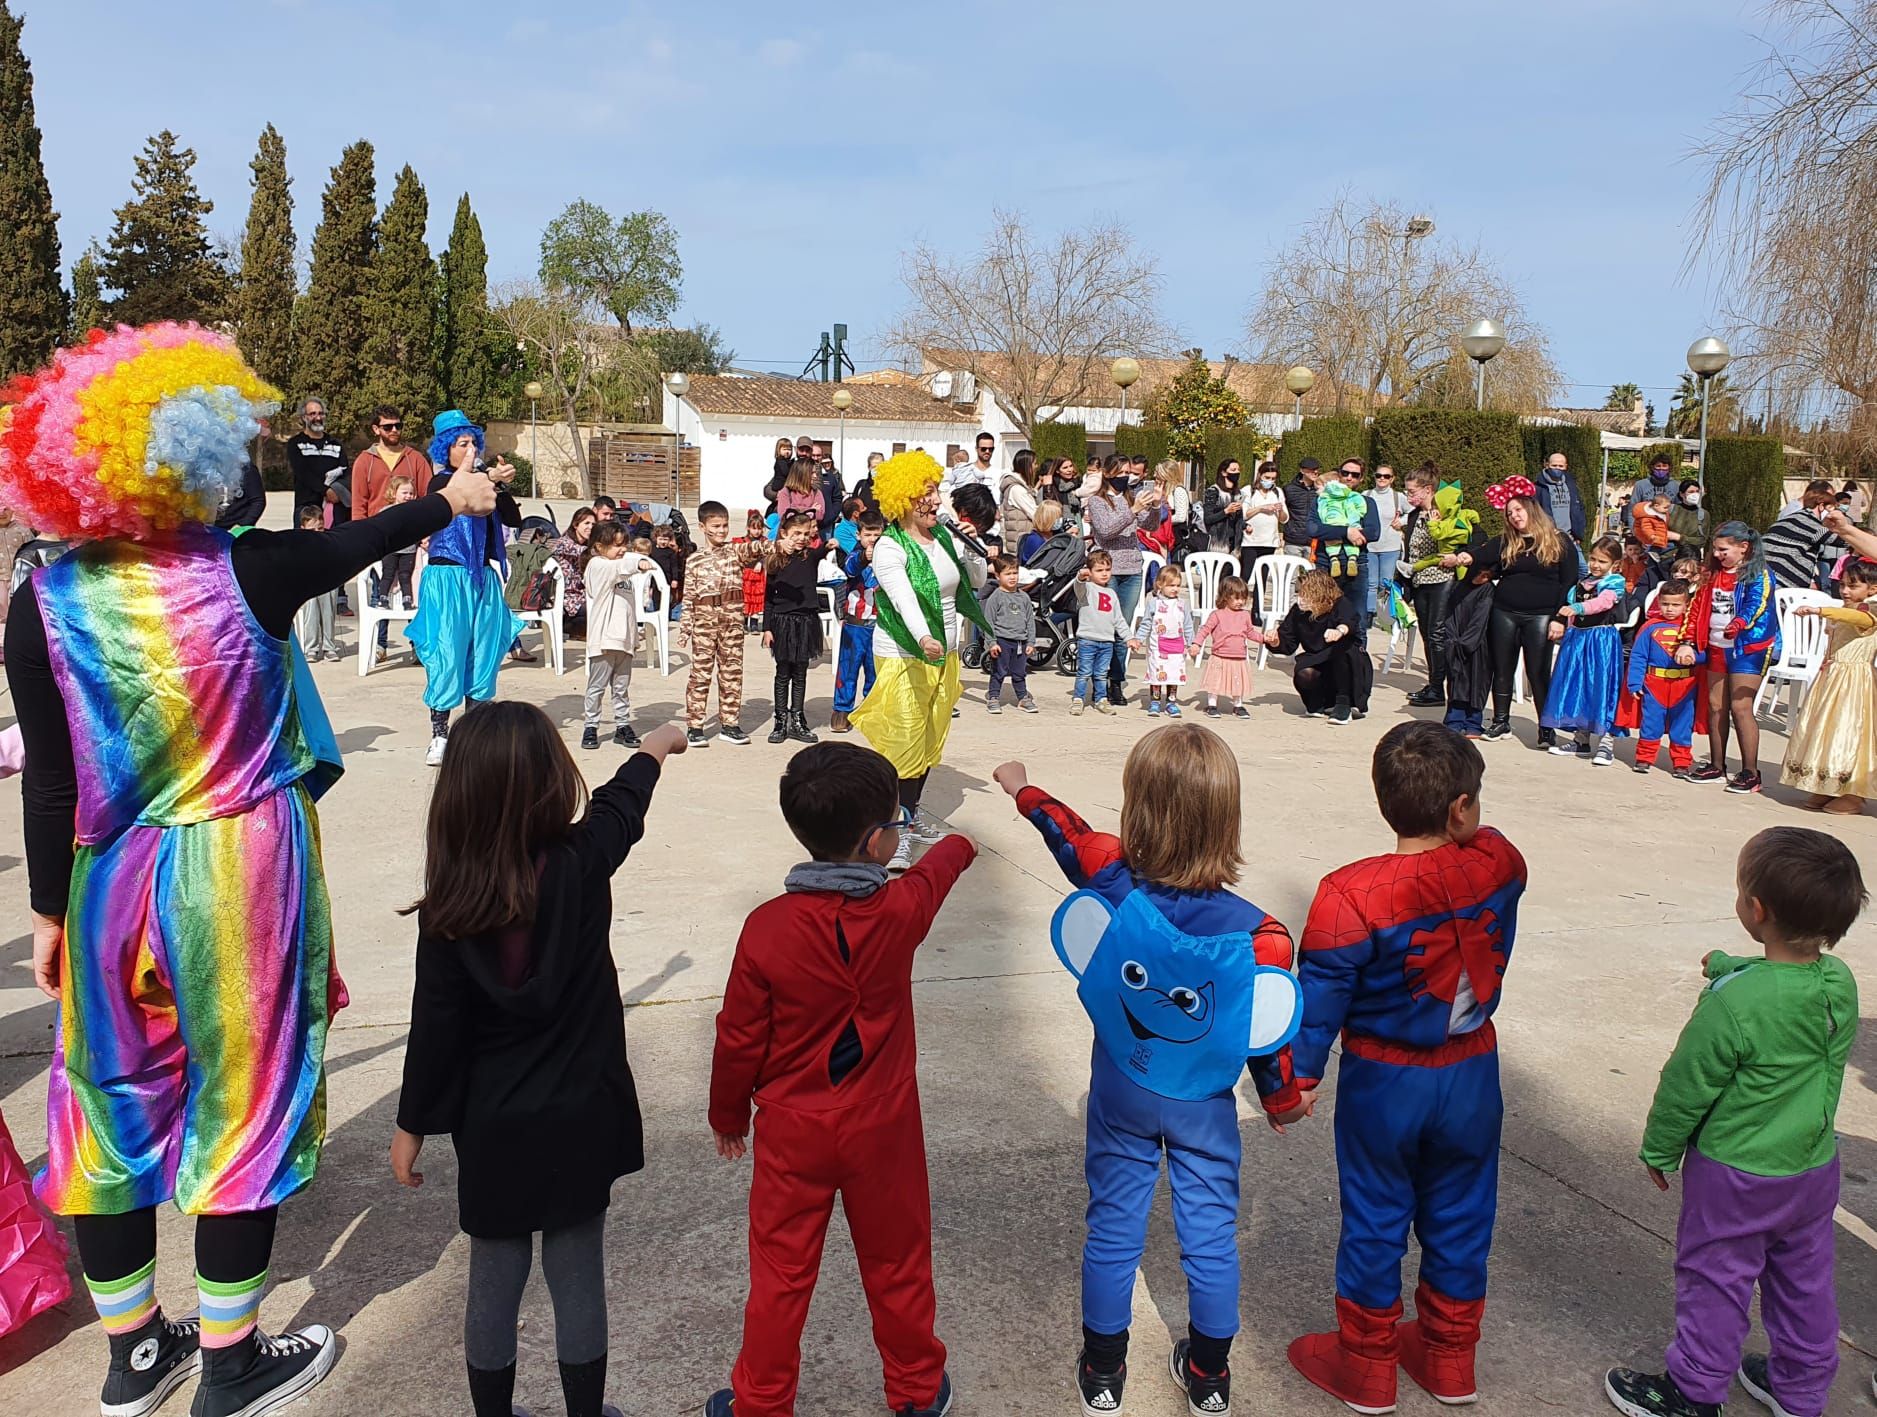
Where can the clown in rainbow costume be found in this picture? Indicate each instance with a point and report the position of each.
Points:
(174, 750)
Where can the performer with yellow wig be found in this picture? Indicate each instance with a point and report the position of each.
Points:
(928, 588)
(174, 748)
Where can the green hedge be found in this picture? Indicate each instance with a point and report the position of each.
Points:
(1473, 448)
(1060, 440)
(1249, 445)
(1142, 441)
(1676, 454)
(1331, 441)
(1745, 480)
(1581, 445)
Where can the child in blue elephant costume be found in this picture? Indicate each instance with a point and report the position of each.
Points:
(1185, 983)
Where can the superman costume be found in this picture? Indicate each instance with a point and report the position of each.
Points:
(816, 1031)
(1660, 695)
(1403, 957)
(1175, 1022)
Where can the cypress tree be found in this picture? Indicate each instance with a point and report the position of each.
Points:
(264, 294)
(88, 310)
(32, 302)
(401, 311)
(159, 259)
(329, 320)
(468, 332)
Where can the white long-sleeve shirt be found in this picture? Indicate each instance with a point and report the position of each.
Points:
(889, 566)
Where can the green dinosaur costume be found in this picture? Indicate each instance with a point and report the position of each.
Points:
(1450, 524)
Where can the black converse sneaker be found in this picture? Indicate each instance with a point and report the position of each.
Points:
(1652, 1395)
(149, 1363)
(1101, 1392)
(694, 738)
(730, 733)
(1205, 1396)
(624, 737)
(261, 1375)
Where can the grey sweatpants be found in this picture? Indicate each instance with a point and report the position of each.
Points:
(609, 668)
(317, 628)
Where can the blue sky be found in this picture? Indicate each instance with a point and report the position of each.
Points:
(800, 149)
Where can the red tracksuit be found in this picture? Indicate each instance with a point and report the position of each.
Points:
(808, 966)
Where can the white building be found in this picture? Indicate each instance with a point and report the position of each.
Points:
(735, 423)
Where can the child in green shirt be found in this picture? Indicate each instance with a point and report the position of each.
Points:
(1745, 1110)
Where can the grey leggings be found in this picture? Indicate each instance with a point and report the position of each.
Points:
(573, 1261)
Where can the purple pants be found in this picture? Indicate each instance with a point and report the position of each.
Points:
(1737, 1229)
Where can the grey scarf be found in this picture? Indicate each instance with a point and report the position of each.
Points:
(855, 879)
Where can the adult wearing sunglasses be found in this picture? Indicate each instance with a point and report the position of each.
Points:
(388, 456)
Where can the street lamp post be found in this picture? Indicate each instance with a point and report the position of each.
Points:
(534, 391)
(1483, 339)
(1125, 372)
(1299, 381)
(842, 401)
(680, 384)
(1706, 357)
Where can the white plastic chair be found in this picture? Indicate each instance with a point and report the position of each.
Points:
(1802, 640)
(1274, 580)
(549, 618)
(657, 617)
(1204, 571)
(831, 618)
(1151, 564)
(370, 616)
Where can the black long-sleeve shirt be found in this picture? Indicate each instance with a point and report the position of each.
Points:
(248, 505)
(1525, 585)
(277, 572)
(793, 590)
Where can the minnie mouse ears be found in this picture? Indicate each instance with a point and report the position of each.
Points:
(1516, 485)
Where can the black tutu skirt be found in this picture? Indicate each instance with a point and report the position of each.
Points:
(797, 637)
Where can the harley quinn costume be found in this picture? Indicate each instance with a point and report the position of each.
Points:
(1403, 957)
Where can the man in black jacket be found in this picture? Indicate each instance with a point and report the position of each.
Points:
(1300, 498)
(314, 457)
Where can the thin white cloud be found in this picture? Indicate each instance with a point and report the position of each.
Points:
(781, 53)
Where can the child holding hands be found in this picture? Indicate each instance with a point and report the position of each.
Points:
(1229, 633)
(1403, 957)
(1168, 873)
(816, 1033)
(1745, 1110)
(1167, 629)
(518, 1044)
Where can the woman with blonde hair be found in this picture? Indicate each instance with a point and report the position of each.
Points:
(1330, 667)
(1533, 566)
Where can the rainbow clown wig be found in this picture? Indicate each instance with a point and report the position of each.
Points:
(132, 432)
(902, 480)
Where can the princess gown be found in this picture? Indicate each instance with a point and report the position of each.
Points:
(1833, 751)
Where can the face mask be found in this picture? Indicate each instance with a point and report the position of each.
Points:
(1658, 476)
(1693, 499)
(1267, 483)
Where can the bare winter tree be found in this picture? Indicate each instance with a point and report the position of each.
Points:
(1377, 311)
(1790, 215)
(1035, 322)
(572, 350)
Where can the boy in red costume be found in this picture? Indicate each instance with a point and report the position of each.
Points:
(1403, 956)
(816, 1029)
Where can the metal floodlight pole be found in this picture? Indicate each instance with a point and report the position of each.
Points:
(1706, 357)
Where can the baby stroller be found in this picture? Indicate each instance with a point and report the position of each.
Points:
(1049, 578)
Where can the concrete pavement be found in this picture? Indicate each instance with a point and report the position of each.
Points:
(1631, 882)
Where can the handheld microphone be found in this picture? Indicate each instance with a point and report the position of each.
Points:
(971, 543)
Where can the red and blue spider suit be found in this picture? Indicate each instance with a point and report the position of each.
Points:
(1664, 692)
(1403, 957)
(1131, 1124)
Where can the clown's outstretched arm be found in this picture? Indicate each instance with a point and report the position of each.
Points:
(49, 780)
(1336, 944)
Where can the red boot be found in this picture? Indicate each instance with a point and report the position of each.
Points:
(1437, 1345)
(1357, 1362)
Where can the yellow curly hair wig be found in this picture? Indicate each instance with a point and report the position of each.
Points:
(902, 480)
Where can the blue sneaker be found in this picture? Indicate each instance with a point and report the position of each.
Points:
(941, 1405)
(722, 1404)
(1173, 710)
(1153, 708)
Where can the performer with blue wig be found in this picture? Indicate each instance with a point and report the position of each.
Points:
(463, 626)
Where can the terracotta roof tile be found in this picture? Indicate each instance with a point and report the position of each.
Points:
(874, 402)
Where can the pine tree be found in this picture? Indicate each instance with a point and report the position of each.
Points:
(159, 259)
(263, 305)
(468, 333)
(88, 310)
(401, 311)
(329, 319)
(32, 302)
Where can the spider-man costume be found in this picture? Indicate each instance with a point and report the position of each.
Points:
(1403, 956)
(1131, 1124)
(1660, 695)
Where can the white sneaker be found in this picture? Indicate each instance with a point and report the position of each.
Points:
(1605, 755)
(434, 758)
(902, 855)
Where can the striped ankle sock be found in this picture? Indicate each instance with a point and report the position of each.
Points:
(125, 1305)
(229, 1311)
